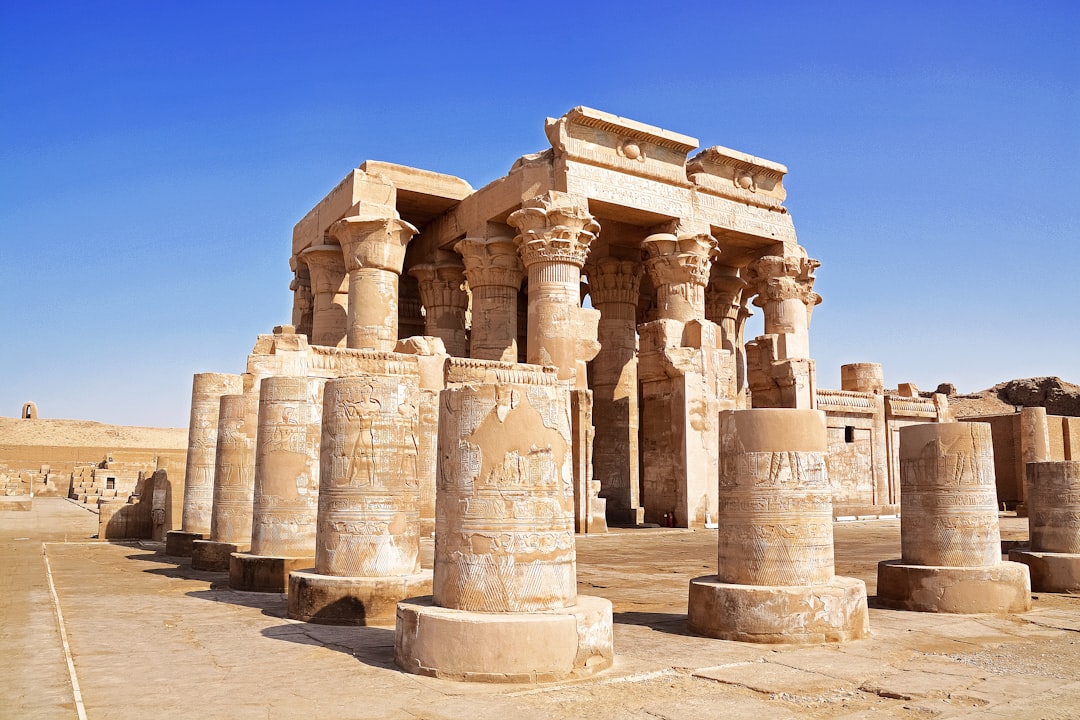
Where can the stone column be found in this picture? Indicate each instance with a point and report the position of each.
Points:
(329, 285)
(555, 233)
(445, 302)
(775, 580)
(373, 247)
(303, 302)
(1053, 498)
(494, 271)
(285, 504)
(505, 606)
(686, 379)
(950, 542)
(1034, 447)
(725, 305)
(367, 554)
(862, 377)
(614, 287)
(234, 483)
(779, 369)
(206, 392)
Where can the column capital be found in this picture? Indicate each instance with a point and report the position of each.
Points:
(679, 259)
(614, 281)
(441, 284)
(326, 267)
(554, 227)
(373, 241)
(723, 294)
(774, 278)
(491, 261)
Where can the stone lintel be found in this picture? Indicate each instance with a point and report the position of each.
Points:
(356, 187)
(739, 176)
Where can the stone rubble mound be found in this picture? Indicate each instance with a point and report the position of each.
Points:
(1053, 393)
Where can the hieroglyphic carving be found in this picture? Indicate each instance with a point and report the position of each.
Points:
(948, 497)
(206, 392)
(234, 470)
(1053, 499)
(504, 538)
(369, 511)
(287, 467)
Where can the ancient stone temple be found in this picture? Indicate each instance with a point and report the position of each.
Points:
(619, 257)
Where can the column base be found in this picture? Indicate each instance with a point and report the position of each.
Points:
(547, 646)
(333, 600)
(178, 543)
(213, 556)
(1050, 572)
(835, 611)
(1001, 588)
(264, 573)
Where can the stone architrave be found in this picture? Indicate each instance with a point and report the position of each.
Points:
(330, 290)
(234, 483)
(367, 555)
(285, 504)
(505, 606)
(445, 302)
(779, 371)
(1053, 499)
(373, 248)
(614, 287)
(950, 541)
(775, 580)
(685, 379)
(494, 272)
(206, 392)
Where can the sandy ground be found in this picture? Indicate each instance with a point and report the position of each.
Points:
(150, 637)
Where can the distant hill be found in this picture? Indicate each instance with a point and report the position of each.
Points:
(1053, 393)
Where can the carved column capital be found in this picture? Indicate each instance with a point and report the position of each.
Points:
(773, 278)
(614, 281)
(679, 267)
(491, 261)
(554, 227)
(441, 284)
(326, 267)
(373, 241)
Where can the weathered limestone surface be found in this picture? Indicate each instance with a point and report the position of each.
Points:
(367, 554)
(234, 483)
(1053, 498)
(206, 392)
(505, 604)
(494, 272)
(775, 578)
(285, 505)
(950, 540)
(330, 288)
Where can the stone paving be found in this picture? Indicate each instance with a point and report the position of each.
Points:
(150, 637)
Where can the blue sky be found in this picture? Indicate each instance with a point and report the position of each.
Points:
(154, 157)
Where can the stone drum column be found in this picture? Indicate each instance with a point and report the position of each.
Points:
(614, 288)
(950, 541)
(285, 504)
(1053, 498)
(206, 392)
(330, 302)
(367, 550)
(234, 483)
(505, 606)
(494, 271)
(445, 302)
(373, 247)
(775, 580)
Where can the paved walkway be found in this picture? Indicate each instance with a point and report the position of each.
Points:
(150, 637)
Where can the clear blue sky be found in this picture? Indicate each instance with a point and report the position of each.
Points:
(154, 157)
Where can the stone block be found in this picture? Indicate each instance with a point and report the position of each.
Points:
(264, 573)
(1001, 588)
(213, 556)
(332, 600)
(1050, 572)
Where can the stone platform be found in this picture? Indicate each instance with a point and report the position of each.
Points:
(264, 573)
(835, 611)
(1001, 588)
(334, 600)
(545, 646)
(180, 543)
(1050, 572)
(213, 556)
